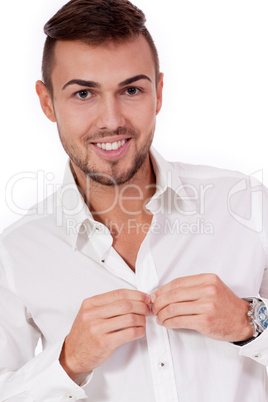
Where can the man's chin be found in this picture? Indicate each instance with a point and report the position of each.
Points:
(112, 180)
(117, 173)
(115, 178)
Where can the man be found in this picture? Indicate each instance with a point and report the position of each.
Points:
(135, 273)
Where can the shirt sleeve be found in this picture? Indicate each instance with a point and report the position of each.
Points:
(24, 376)
(258, 348)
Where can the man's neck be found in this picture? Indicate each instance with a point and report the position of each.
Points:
(117, 204)
(122, 209)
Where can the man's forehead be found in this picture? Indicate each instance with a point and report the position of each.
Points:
(127, 58)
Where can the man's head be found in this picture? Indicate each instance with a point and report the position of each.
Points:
(94, 22)
(102, 87)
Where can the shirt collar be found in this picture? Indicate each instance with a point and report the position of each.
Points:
(76, 214)
(168, 177)
(77, 217)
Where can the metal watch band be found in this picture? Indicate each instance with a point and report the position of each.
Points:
(252, 301)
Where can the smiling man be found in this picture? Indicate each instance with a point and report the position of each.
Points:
(98, 104)
(145, 280)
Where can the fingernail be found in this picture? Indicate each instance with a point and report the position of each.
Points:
(148, 299)
(153, 310)
(153, 297)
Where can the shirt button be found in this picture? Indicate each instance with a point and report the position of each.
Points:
(162, 365)
(258, 356)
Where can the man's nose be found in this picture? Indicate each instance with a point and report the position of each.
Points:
(110, 115)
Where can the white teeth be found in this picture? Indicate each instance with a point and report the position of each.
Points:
(111, 146)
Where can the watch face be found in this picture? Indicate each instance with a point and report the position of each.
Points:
(263, 316)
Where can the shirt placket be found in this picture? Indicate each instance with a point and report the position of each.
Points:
(157, 336)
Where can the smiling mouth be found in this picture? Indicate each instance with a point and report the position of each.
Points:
(111, 146)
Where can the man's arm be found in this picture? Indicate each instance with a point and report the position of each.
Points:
(24, 376)
(41, 377)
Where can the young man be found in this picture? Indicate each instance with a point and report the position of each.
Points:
(135, 273)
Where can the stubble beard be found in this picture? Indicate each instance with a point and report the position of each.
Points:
(115, 178)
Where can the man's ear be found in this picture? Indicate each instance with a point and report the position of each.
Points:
(159, 93)
(45, 100)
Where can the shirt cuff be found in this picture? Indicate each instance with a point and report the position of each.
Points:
(257, 349)
(83, 379)
(46, 380)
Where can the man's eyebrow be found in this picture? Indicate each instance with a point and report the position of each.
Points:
(134, 79)
(82, 83)
(93, 84)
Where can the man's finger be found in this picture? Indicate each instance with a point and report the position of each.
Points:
(186, 281)
(193, 322)
(118, 308)
(116, 295)
(181, 309)
(177, 295)
(131, 334)
(125, 321)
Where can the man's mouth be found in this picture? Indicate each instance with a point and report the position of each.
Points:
(111, 146)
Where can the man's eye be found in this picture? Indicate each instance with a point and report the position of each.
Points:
(132, 91)
(84, 94)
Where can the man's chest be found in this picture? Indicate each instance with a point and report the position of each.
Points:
(54, 286)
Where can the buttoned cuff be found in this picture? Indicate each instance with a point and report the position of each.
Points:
(257, 349)
(46, 380)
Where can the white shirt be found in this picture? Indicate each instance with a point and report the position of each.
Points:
(205, 220)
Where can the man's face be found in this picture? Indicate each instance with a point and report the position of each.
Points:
(105, 102)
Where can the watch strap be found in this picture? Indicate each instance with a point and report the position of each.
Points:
(257, 332)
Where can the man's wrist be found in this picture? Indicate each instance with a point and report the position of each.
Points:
(64, 362)
(258, 315)
(258, 319)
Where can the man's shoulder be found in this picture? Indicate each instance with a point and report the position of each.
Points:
(177, 174)
(191, 172)
(234, 185)
(36, 219)
(206, 172)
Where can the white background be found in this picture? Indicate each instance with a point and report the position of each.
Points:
(215, 58)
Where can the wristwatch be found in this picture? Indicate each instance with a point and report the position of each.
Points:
(258, 314)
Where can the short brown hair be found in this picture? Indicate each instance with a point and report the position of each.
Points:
(94, 22)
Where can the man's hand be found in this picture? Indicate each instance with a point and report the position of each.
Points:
(205, 304)
(103, 323)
